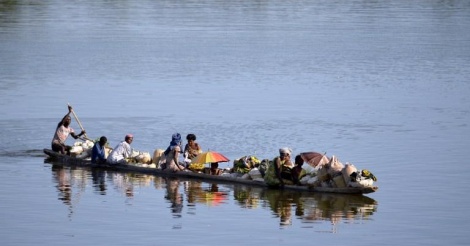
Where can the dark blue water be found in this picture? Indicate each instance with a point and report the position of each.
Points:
(383, 85)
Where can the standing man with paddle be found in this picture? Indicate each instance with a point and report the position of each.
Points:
(62, 132)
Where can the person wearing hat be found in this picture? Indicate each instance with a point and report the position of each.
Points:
(279, 169)
(122, 151)
(172, 154)
(98, 151)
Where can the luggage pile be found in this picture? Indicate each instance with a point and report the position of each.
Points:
(334, 174)
(82, 150)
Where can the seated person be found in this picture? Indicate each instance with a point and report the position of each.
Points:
(98, 151)
(215, 169)
(284, 164)
(172, 155)
(122, 151)
(279, 170)
(192, 148)
(297, 172)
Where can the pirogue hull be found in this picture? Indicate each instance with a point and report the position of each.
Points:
(72, 161)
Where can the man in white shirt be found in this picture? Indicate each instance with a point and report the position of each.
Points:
(122, 151)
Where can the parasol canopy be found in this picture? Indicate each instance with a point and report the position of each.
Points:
(314, 158)
(209, 157)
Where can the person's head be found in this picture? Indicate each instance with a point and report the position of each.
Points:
(191, 137)
(214, 165)
(175, 139)
(298, 160)
(129, 138)
(66, 121)
(103, 140)
(285, 153)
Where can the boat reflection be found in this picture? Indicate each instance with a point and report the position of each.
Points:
(306, 207)
(182, 194)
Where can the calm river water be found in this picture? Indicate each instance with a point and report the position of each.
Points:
(380, 84)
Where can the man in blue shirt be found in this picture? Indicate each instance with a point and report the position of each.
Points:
(98, 152)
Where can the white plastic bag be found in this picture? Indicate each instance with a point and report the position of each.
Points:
(255, 173)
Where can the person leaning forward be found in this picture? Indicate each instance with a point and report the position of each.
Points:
(279, 169)
(172, 154)
(283, 165)
(62, 131)
(122, 151)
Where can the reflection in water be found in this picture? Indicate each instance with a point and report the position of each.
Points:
(66, 178)
(69, 178)
(123, 183)
(307, 207)
(99, 181)
(281, 203)
(336, 208)
(247, 197)
(174, 196)
(210, 196)
(62, 177)
(288, 206)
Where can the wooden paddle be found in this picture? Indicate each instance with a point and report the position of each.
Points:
(76, 118)
(81, 127)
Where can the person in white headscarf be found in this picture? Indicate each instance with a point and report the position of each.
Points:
(286, 154)
(280, 168)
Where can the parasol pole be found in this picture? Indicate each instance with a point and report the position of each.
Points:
(78, 121)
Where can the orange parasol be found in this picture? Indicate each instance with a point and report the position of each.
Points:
(209, 157)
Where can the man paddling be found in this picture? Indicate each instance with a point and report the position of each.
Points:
(62, 131)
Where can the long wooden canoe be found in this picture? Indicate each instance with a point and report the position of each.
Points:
(66, 160)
